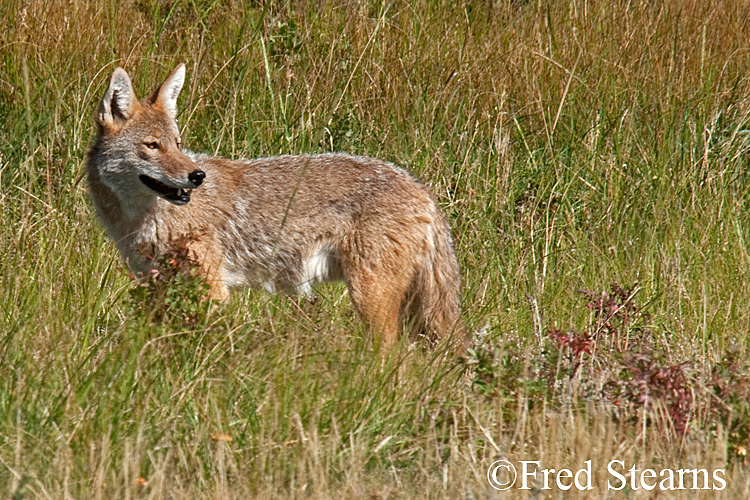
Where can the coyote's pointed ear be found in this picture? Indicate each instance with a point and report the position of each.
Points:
(165, 96)
(118, 102)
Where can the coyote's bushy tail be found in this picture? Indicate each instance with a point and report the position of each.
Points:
(436, 291)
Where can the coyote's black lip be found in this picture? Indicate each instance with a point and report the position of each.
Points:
(175, 195)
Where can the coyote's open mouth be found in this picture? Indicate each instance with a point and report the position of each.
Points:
(177, 196)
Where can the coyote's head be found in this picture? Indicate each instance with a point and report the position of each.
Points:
(139, 149)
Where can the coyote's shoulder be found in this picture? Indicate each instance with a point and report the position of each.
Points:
(280, 223)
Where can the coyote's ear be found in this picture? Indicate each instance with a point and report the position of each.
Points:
(165, 96)
(119, 101)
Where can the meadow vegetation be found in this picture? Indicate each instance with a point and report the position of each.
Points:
(590, 155)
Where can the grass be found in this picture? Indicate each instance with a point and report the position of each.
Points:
(590, 157)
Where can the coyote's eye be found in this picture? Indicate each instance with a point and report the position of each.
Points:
(179, 145)
(152, 145)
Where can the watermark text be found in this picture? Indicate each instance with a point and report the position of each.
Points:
(525, 474)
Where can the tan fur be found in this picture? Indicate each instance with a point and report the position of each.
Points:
(281, 223)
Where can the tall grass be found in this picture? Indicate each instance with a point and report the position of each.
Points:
(572, 145)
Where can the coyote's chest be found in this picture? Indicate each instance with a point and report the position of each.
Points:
(141, 242)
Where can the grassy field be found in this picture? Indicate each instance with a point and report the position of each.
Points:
(591, 157)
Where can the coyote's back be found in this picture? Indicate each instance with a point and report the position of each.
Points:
(280, 223)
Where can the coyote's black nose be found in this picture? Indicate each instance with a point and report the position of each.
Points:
(196, 177)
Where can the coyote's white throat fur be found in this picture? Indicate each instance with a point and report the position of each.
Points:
(281, 223)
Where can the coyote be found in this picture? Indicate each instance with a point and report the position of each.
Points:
(281, 223)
